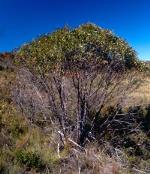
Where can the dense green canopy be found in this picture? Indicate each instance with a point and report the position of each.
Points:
(83, 43)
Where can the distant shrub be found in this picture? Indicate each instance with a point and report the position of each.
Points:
(6, 60)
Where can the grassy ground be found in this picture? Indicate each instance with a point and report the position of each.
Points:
(141, 96)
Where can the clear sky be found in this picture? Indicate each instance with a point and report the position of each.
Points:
(23, 20)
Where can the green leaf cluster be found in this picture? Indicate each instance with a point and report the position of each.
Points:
(86, 42)
(29, 159)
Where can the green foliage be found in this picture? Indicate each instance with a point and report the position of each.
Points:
(29, 159)
(84, 43)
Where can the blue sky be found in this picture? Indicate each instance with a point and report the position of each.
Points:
(23, 20)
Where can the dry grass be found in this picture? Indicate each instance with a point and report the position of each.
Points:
(140, 96)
